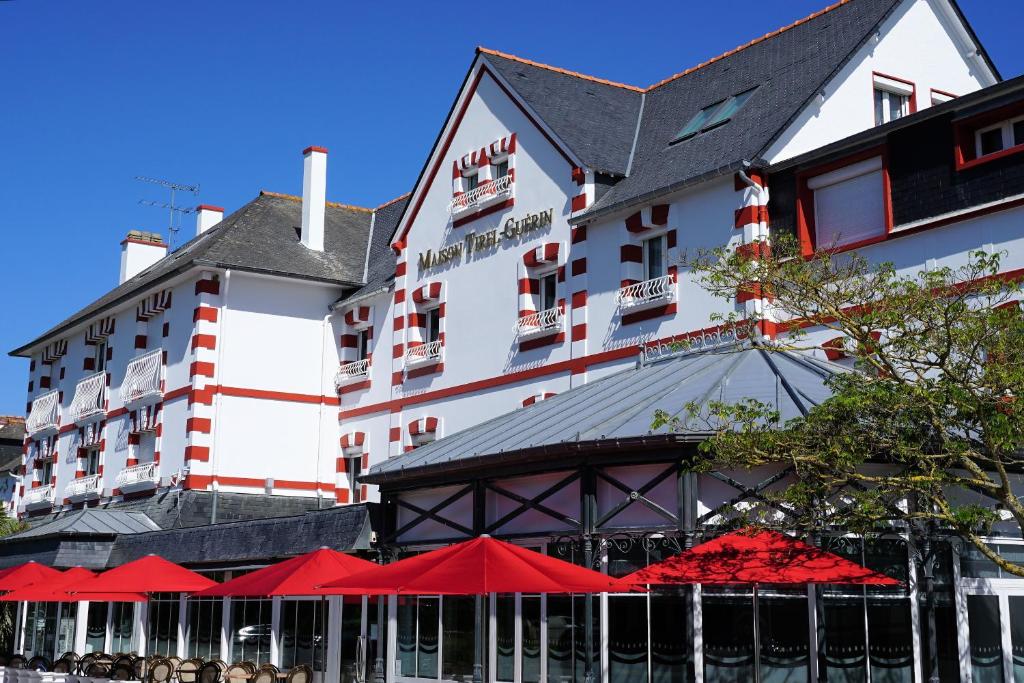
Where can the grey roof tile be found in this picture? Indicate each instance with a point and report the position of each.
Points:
(89, 522)
(621, 406)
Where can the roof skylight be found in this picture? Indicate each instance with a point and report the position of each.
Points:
(714, 115)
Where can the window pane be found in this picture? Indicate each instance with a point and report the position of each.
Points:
(627, 639)
(785, 648)
(728, 109)
(560, 638)
(1017, 635)
(96, 627)
(433, 325)
(530, 618)
(250, 634)
(845, 659)
(458, 624)
(879, 107)
(898, 105)
(471, 182)
(991, 141)
(548, 287)
(671, 637)
(505, 637)
(302, 636)
(351, 629)
(426, 642)
(66, 634)
(204, 624)
(889, 637)
(986, 638)
(728, 622)
(849, 211)
(1018, 133)
(500, 169)
(654, 258)
(696, 123)
(406, 636)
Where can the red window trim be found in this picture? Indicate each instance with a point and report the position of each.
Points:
(964, 131)
(805, 201)
(934, 91)
(913, 89)
(487, 211)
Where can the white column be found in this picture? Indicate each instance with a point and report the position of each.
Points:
(182, 650)
(108, 633)
(391, 646)
(275, 631)
(698, 635)
(81, 626)
(334, 617)
(20, 626)
(812, 626)
(225, 631)
(141, 630)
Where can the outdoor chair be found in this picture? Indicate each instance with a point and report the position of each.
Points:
(139, 667)
(17, 661)
(211, 672)
(188, 672)
(85, 660)
(160, 670)
(4, 659)
(300, 674)
(97, 669)
(267, 673)
(39, 663)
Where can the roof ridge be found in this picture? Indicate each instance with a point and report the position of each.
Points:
(556, 69)
(296, 198)
(744, 46)
(392, 201)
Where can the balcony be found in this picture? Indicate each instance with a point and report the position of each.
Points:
(540, 323)
(138, 477)
(423, 354)
(481, 196)
(45, 413)
(142, 378)
(88, 400)
(649, 292)
(350, 372)
(39, 497)
(83, 488)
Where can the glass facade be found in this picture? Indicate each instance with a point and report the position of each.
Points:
(250, 629)
(122, 626)
(304, 633)
(205, 620)
(162, 631)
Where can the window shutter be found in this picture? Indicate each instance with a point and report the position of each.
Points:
(850, 209)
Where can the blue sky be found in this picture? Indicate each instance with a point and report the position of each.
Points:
(227, 94)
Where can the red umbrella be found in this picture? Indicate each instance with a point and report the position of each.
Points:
(53, 590)
(477, 567)
(26, 574)
(756, 556)
(149, 574)
(298, 576)
(753, 557)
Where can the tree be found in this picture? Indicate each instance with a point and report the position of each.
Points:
(926, 431)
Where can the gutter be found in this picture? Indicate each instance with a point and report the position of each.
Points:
(340, 303)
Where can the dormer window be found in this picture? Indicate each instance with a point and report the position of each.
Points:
(894, 98)
(714, 115)
(999, 137)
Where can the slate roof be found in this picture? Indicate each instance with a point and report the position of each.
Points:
(596, 119)
(262, 236)
(12, 435)
(380, 262)
(341, 528)
(619, 409)
(89, 522)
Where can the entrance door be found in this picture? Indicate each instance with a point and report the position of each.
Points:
(995, 634)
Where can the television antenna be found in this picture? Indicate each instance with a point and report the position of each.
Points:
(175, 212)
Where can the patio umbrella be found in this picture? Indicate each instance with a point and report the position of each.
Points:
(53, 590)
(301, 575)
(476, 567)
(149, 574)
(26, 574)
(757, 556)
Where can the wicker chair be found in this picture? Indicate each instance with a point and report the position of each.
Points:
(300, 674)
(39, 663)
(211, 672)
(267, 673)
(160, 670)
(188, 672)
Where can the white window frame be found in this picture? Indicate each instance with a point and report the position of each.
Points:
(662, 238)
(551, 277)
(499, 161)
(470, 185)
(434, 312)
(1007, 134)
(888, 87)
(92, 454)
(362, 344)
(100, 356)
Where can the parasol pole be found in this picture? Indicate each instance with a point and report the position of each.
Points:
(478, 639)
(757, 638)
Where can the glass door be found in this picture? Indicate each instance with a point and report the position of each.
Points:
(995, 635)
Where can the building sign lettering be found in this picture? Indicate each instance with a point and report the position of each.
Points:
(513, 229)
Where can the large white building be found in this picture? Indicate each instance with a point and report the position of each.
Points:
(539, 251)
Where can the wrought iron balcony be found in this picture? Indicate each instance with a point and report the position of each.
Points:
(84, 487)
(348, 372)
(45, 413)
(423, 354)
(540, 323)
(40, 496)
(647, 292)
(142, 378)
(139, 476)
(482, 195)
(88, 400)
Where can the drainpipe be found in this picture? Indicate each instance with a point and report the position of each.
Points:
(320, 412)
(216, 404)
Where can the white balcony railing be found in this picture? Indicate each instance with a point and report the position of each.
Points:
(482, 194)
(659, 289)
(540, 322)
(350, 371)
(423, 354)
(88, 400)
(139, 476)
(45, 413)
(40, 496)
(142, 378)
(83, 487)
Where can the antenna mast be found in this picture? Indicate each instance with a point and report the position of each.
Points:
(174, 211)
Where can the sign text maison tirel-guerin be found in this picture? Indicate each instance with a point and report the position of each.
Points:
(513, 229)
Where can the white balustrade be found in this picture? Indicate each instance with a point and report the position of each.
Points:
(45, 413)
(422, 354)
(350, 371)
(640, 293)
(83, 487)
(539, 322)
(39, 496)
(139, 475)
(142, 378)
(88, 400)
(502, 187)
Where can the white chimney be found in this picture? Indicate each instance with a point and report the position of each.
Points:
(314, 197)
(207, 216)
(140, 250)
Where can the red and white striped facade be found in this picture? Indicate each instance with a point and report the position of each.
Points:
(247, 400)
